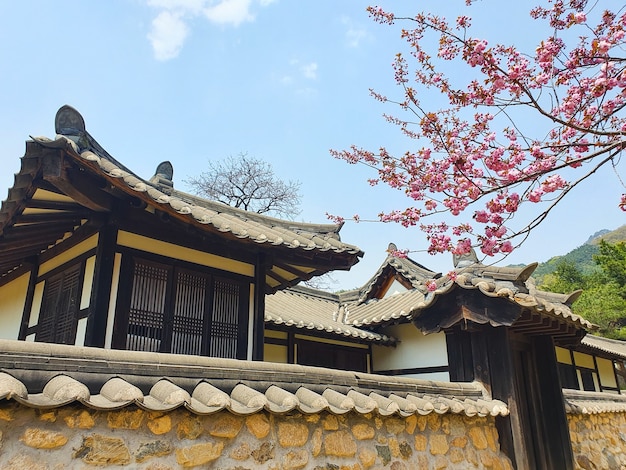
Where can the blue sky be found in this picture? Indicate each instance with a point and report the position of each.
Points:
(285, 81)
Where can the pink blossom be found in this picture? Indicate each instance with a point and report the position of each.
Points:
(431, 285)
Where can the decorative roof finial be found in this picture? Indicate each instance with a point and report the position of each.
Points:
(68, 121)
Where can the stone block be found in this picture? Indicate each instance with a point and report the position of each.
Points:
(159, 424)
(292, 434)
(340, 444)
(225, 425)
(363, 431)
(125, 419)
(295, 459)
(189, 427)
(438, 444)
(153, 449)
(103, 451)
(43, 439)
(258, 425)
(199, 454)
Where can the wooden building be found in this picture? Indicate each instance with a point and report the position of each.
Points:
(93, 255)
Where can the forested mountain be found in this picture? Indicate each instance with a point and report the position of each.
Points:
(581, 257)
(598, 268)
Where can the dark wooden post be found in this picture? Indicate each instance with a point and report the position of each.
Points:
(101, 290)
(258, 326)
(28, 304)
(556, 438)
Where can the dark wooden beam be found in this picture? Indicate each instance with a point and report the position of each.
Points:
(75, 184)
(101, 288)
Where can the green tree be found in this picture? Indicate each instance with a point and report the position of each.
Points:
(603, 300)
(612, 260)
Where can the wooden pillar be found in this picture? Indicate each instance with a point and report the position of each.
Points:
(101, 289)
(28, 304)
(460, 361)
(556, 438)
(258, 326)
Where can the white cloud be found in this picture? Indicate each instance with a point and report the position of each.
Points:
(354, 34)
(233, 12)
(309, 70)
(170, 27)
(168, 35)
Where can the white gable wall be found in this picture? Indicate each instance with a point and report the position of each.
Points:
(414, 351)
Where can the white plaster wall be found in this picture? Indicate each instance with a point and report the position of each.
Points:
(413, 350)
(12, 298)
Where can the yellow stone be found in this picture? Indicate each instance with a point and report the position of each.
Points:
(491, 433)
(48, 416)
(316, 442)
(225, 425)
(422, 421)
(313, 419)
(189, 427)
(199, 454)
(242, 452)
(460, 441)
(421, 441)
(292, 434)
(471, 455)
(103, 451)
(340, 444)
(160, 425)
(367, 457)
(41, 439)
(394, 425)
(394, 447)
(439, 444)
(125, 419)
(6, 414)
(440, 463)
(434, 422)
(295, 459)
(82, 420)
(486, 458)
(258, 425)
(330, 423)
(478, 438)
(410, 424)
(363, 431)
(456, 455)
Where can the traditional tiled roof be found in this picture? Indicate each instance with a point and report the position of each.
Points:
(304, 239)
(46, 376)
(612, 347)
(316, 311)
(510, 283)
(579, 402)
(363, 310)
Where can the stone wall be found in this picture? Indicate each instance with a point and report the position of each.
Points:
(78, 437)
(598, 440)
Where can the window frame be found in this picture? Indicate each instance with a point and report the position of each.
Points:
(52, 317)
(211, 275)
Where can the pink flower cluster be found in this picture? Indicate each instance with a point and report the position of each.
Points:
(476, 153)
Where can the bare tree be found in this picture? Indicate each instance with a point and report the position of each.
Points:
(248, 183)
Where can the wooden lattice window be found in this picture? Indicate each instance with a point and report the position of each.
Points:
(58, 316)
(184, 311)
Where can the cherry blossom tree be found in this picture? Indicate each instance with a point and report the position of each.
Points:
(516, 128)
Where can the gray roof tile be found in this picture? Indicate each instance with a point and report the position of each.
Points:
(579, 402)
(613, 347)
(162, 382)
